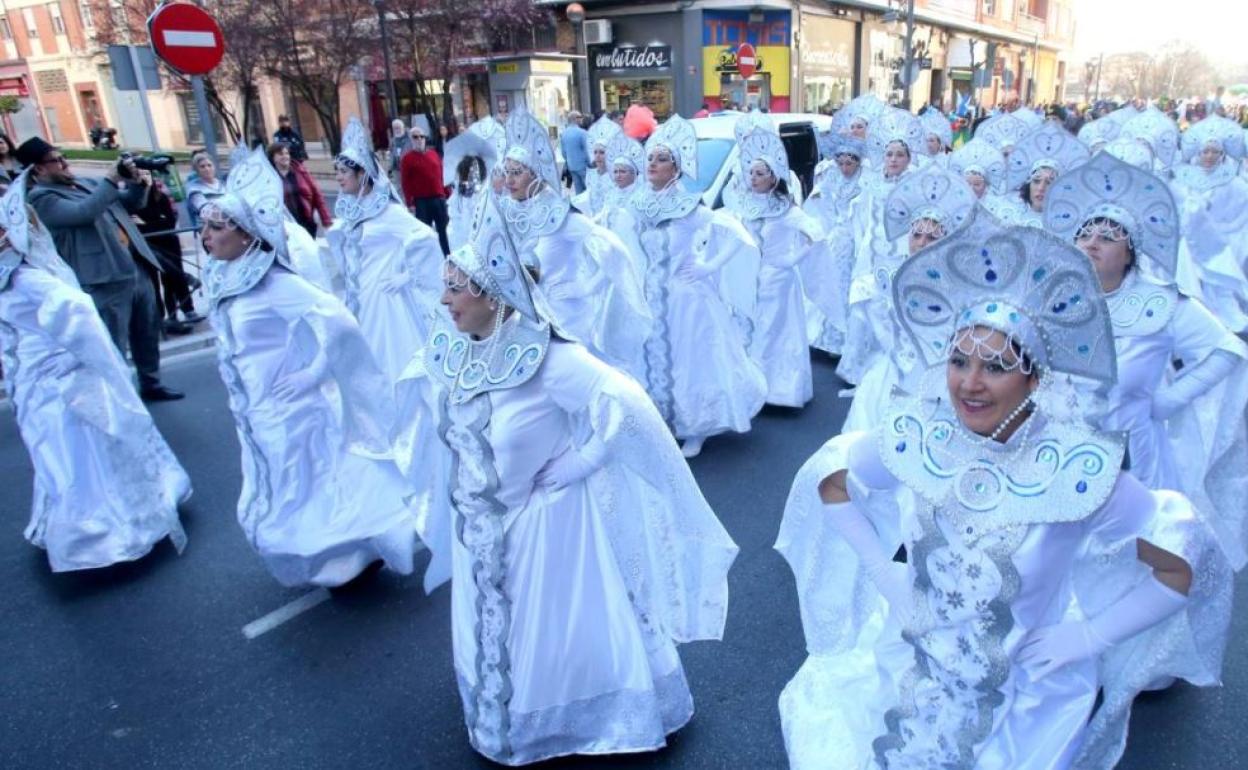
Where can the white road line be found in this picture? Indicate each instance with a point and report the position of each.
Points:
(284, 613)
(190, 38)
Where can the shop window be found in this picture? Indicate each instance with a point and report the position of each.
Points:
(6, 32)
(656, 93)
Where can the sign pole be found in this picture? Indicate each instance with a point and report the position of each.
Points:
(142, 83)
(205, 117)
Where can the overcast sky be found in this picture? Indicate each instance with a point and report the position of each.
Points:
(1219, 27)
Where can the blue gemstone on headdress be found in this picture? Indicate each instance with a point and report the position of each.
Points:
(1059, 307)
(934, 308)
(1083, 349)
(901, 446)
(437, 357)
(1109, 187)
(1152, 219)
(1148, 313)
(1013, 317)
(1038, 274)
(1081, 487)
(933, 273)
(990, 276)
(1075, 298)
(520, 370)
(992, 308)
(983, 252)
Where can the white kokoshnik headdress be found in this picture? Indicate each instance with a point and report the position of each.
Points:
(936, 124)
(14, 216)
(1130, 151)
(529, 144)
(253, 202)
(1108, 188)
(468, 144)
(934, 195)
(677, 136)
(623, 150)
(1002, 131)
(1216, 130)
(27, 241)
(1158, 131)
(843, 144)
(603, 130)
(1037, 290)
(493, 132)
(357, 152)
(1095, 133)
(979, 156)
(867, 107)
(1049, 146)
(491, 260)
(759, 142)
(895, 125)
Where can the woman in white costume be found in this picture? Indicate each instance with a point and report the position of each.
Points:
(857, 118)
(466, 163)
(1159, 133)
(937, 136)
(924, 207)
(322, 497)
(1120, 217)
(586, 273)
(983, 167)
(627, 159)
(895, 137)
(1034, 164)
(579, 546)
(1036, 571)
(106, 486)
(390, 261)
(599, 180)
(759, 196)
(700, 267)
(827, 274)
(1213, 202)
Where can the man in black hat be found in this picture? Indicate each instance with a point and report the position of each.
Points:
(93, 232)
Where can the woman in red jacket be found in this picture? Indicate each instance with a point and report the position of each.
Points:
(303, 197)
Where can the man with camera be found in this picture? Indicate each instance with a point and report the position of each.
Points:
(89, 221)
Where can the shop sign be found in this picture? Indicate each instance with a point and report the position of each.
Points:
(507, 68)
(728, 62)
(651, 57)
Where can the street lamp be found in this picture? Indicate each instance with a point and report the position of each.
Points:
(576, 14)
(380, 5)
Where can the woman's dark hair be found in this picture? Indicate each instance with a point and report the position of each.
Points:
(1107, 222)
(464, 169)
(781, 188)
(9, 143)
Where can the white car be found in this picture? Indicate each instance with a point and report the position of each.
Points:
(717, 151)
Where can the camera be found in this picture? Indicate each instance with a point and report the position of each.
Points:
(157, 164)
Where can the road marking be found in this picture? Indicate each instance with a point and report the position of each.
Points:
(284, 613)
(190, 39)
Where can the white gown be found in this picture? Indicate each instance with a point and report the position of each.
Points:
(460, 210)
(587, 277)
(322, 497)
(593, 200)
(106, 486)
(697, 368)
(949, 693)
(1154, 326)
(828, 271)
(778, 343)
(1213, 253)
(566, 606)
(375, 251)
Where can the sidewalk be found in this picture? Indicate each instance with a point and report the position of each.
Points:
(321, 169)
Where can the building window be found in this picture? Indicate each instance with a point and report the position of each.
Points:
(58, 23)
(990, 7)
(88, 20)
(6, 32)
(28, 16)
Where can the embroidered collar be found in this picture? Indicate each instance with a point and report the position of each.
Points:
(10, 260)
(542, 214)
(1047, 473)
(224, 279)
(356, 209)
(467, 367)
(656, 206)
(748, 204)
(1141, 306)
(1200, 179)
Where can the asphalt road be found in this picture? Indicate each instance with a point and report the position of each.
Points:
(145, 665)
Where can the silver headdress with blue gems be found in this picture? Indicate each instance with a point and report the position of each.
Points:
(1002, 130)
(1158, 131)
(603, 131)
(529, 144)
(1106, 187)
(677, 135)
(868, 107)
(623, 150)
(1216, 130)
(1131, 151)
(493, 132)
(491, 260)
(1049, 146)
(936, 124)
(357, 150)
(936, 194)
(979, 156)
(758, 140)
(1036, 289)
(895, 125)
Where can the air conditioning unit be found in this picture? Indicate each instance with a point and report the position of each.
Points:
(597, 32)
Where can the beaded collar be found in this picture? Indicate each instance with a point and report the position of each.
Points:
(507, 359)
(1202, 180)
(749, 205)
(656, 206)
(1141, 305)
(541, 214)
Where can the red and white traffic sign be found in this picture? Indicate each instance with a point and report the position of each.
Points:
(186, 37)
(747, 63)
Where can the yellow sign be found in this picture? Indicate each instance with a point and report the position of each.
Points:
(772, 59)
(551, 66)
(507, 68)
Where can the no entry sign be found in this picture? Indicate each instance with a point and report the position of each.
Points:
(747, 63)
(186, 37)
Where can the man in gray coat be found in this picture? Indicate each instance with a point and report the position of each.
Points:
(93, 232)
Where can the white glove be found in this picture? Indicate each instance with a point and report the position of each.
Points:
(1192, 383)
(395, 282)
(1048, 648)
(694, 271)
(295, 384)
(61, 365)
(889, 578)
(571, 466)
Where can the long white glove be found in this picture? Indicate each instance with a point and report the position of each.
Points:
(1048, 648)
(877, 561)
(1193, 383)
(396, 281)
(572, 466)
(295, 384)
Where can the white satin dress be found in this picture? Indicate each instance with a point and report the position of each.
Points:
(106, 486)
(322, 497)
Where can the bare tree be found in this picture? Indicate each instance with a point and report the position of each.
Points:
(313, 47)
(1183, 70)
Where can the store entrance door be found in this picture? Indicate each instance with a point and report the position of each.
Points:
(746, 94)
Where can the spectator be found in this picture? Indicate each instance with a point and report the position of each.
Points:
(400, 143)
(9, 167)
(420, 175)
(202, 186)
(287, 134)
(159, 216)
(575, 146)
(90, 223)
(303, 198)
